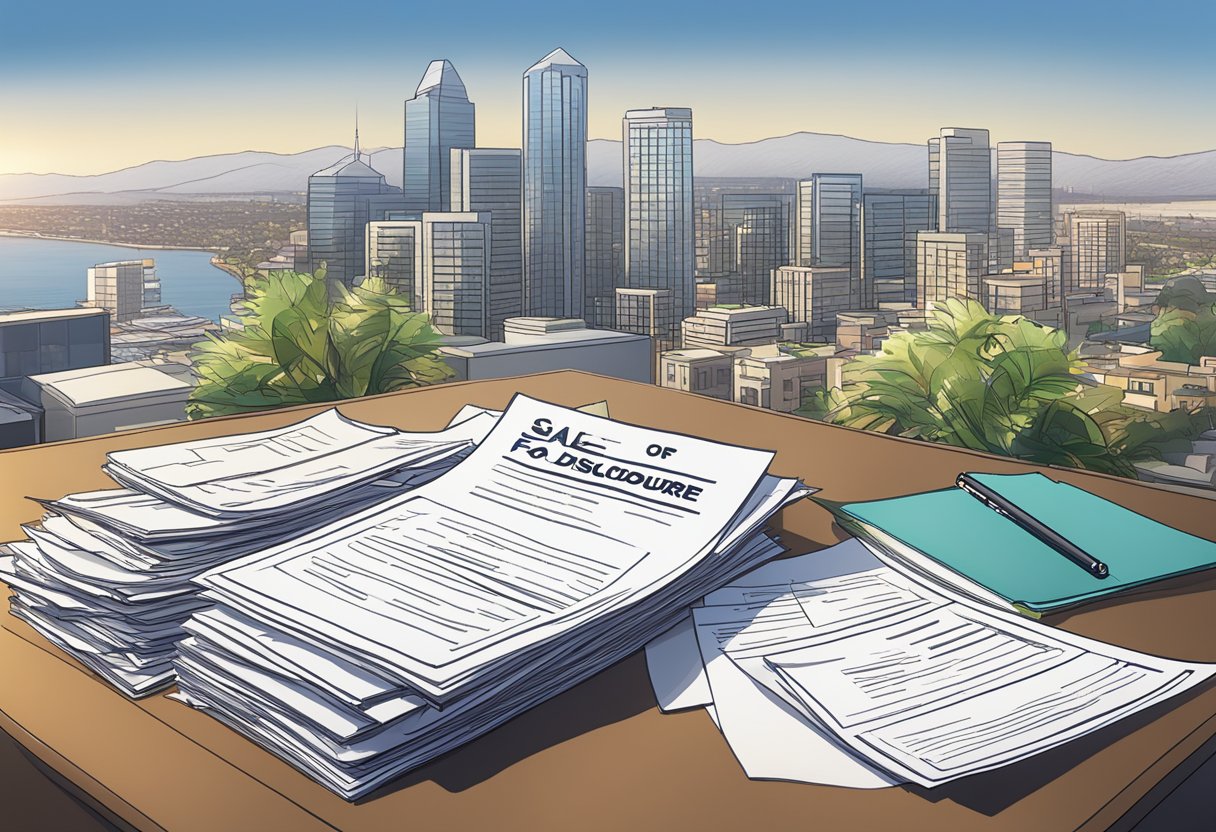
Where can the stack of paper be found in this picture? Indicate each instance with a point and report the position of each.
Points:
(562, 544)
(107, 575)
(834, 668)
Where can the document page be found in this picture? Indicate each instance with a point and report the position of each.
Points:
(931, 687)
(554, 518)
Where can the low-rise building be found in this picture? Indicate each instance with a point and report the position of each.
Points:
(20, 421)
(50, 340)
(733, 326)
(776, 376)
(1020, 294)
(100, 400)
(538, 345)
(1152, 384)
(706, 372)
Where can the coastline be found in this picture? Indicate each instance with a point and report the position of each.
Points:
(215, 255)
(34, 235)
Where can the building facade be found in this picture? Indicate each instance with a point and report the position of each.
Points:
(829, 224)
(728, 326)
(456, 255)
(490, 180)
(660, 237)
(960, 174)
(1024, 204)
(342, 200)
(394, 255)
(51, 340)
(949, 265)
(123, 288)
(555, 185)
(605, 255)
(438, 118)
(814, 294)
(1097, 242)
(890, 221)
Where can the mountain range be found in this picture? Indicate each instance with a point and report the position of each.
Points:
(883, 164)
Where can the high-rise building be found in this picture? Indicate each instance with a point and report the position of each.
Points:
(949, 265)
(342, 200)
(829, 223)
(555, 185)
(960, 174)
(456, 255)
(890, 221)
(1098, 246)
(744, 229)
(1023, 183)
(123, 288)
(438, 118)
(490, 179)
(394, 254)
(813, 294)
(660, 247)
(605, 255)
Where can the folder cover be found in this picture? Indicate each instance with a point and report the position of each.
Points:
(959, 532)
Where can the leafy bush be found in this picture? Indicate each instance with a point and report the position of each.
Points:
(299, 346)
(1002, 385)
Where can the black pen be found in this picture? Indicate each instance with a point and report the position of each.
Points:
(1025, 521)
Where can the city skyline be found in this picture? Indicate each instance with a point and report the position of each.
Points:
(184, 95)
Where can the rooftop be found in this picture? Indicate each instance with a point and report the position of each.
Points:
(110, 383)
(558, 57)
(49, 314)
(442, 79)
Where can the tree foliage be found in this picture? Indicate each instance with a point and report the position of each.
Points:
(1185, 327)
(1002, 385)
(299, 346)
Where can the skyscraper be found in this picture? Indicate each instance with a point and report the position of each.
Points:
(456, 250)
(660, 251)
(555, 183)
(489, 180)
(1097, 246)
(890, 221)
(605, 255)
(1023, 177)
(122, 288)
(438, 118)
(960, 173)
(342, 200)
(829, 224)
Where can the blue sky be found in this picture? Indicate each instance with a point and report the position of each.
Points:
(86, 88)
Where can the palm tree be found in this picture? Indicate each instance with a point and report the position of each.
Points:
(298, 346)
(1002, 385)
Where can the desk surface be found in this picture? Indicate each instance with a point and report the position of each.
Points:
(601, 756)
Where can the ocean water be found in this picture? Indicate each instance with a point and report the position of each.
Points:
(50, 274)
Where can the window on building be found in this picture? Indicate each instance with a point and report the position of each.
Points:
(788, 386)
(1136, 386)
(671, 373)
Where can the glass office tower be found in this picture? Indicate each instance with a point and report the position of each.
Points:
(829, 224)
(605, 255)
(488, 180)
(555, 185)
(660, 252)
(960, 174)
(438, 118)
(1023, 194)
(342, 200)
(890, 221)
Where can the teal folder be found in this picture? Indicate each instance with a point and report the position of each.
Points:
(959, 532)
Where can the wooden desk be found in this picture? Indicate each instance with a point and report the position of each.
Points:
(601, 756)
